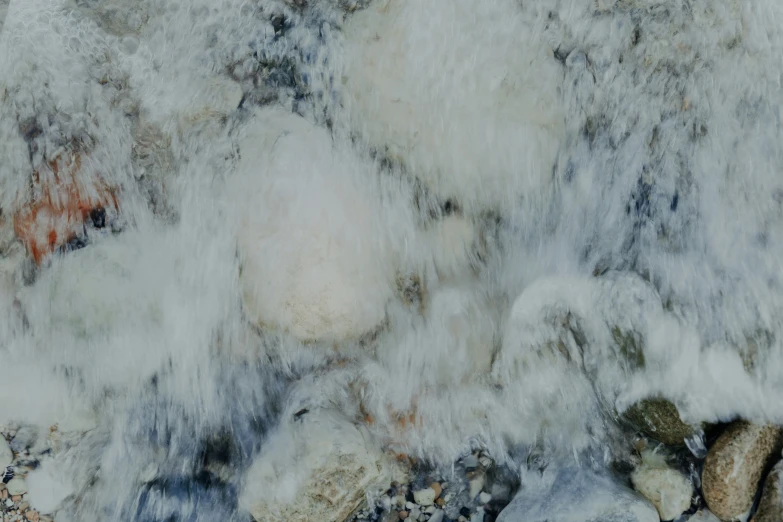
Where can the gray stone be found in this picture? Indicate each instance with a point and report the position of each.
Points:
(578, 495)
(24, 438)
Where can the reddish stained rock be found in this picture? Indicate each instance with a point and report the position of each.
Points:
(59, 207)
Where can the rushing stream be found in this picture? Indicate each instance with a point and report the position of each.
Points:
(460, 224)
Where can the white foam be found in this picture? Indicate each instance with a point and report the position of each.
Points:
(632, 140)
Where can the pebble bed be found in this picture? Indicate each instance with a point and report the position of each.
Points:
(14, 500)
(475, 490)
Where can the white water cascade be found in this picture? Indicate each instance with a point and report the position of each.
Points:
(429, 226)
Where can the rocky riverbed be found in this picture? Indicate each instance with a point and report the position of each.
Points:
(378, 260)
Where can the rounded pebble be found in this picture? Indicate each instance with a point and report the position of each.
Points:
(16, 486)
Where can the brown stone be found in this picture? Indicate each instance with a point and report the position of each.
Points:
(735, 466)
(435, 486)
(403, 515)
(771, 504)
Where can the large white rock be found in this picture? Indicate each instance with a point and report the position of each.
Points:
(669, 490)
(464, 92)
(578, 495)
(315, 468)
(314, 259)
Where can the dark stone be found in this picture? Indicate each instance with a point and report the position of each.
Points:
(98, 217)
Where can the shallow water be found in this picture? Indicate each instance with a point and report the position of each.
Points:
(546, 172)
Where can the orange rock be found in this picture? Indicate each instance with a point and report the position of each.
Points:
(59, 207)
(436, 487)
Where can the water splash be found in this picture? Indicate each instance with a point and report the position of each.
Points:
(565, 207)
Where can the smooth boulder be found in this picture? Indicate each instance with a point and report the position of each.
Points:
(314, 260)
(318, 466)
(669, 490)
(735, 465)
(659, 419)
(578, 495)
(770, 508)
(476, 118)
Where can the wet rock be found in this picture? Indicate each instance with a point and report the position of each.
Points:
(735, 465)
(578, 495)
(704, 515)
(770, 507)
(16, 486)
(659, 419)
(56, 214)
(668, 489)
(6, 455)
(317, 468)
(406, 100)
(476, 485)
(315, 278)
(25, 438)
(425, 497)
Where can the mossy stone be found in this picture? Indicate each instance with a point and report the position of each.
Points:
(659, 419)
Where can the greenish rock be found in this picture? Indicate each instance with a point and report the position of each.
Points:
(659, 419)
(630, 348)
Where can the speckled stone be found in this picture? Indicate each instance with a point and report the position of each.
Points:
(659, 419)
(735, 465)
(771, 504)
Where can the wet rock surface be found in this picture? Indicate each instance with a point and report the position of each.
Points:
(473, 489)
(770, 508)
(335, 464)
(578, 495)
(659, 419)
(735, 466)
(669, 490)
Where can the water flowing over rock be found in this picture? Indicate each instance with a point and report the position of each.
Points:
(306, 267)
(735, 466)
(413, 100)
(668, 489)
(576, 495)
(317, 467)
(518, 231)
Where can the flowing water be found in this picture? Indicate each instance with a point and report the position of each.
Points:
(513, 217)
